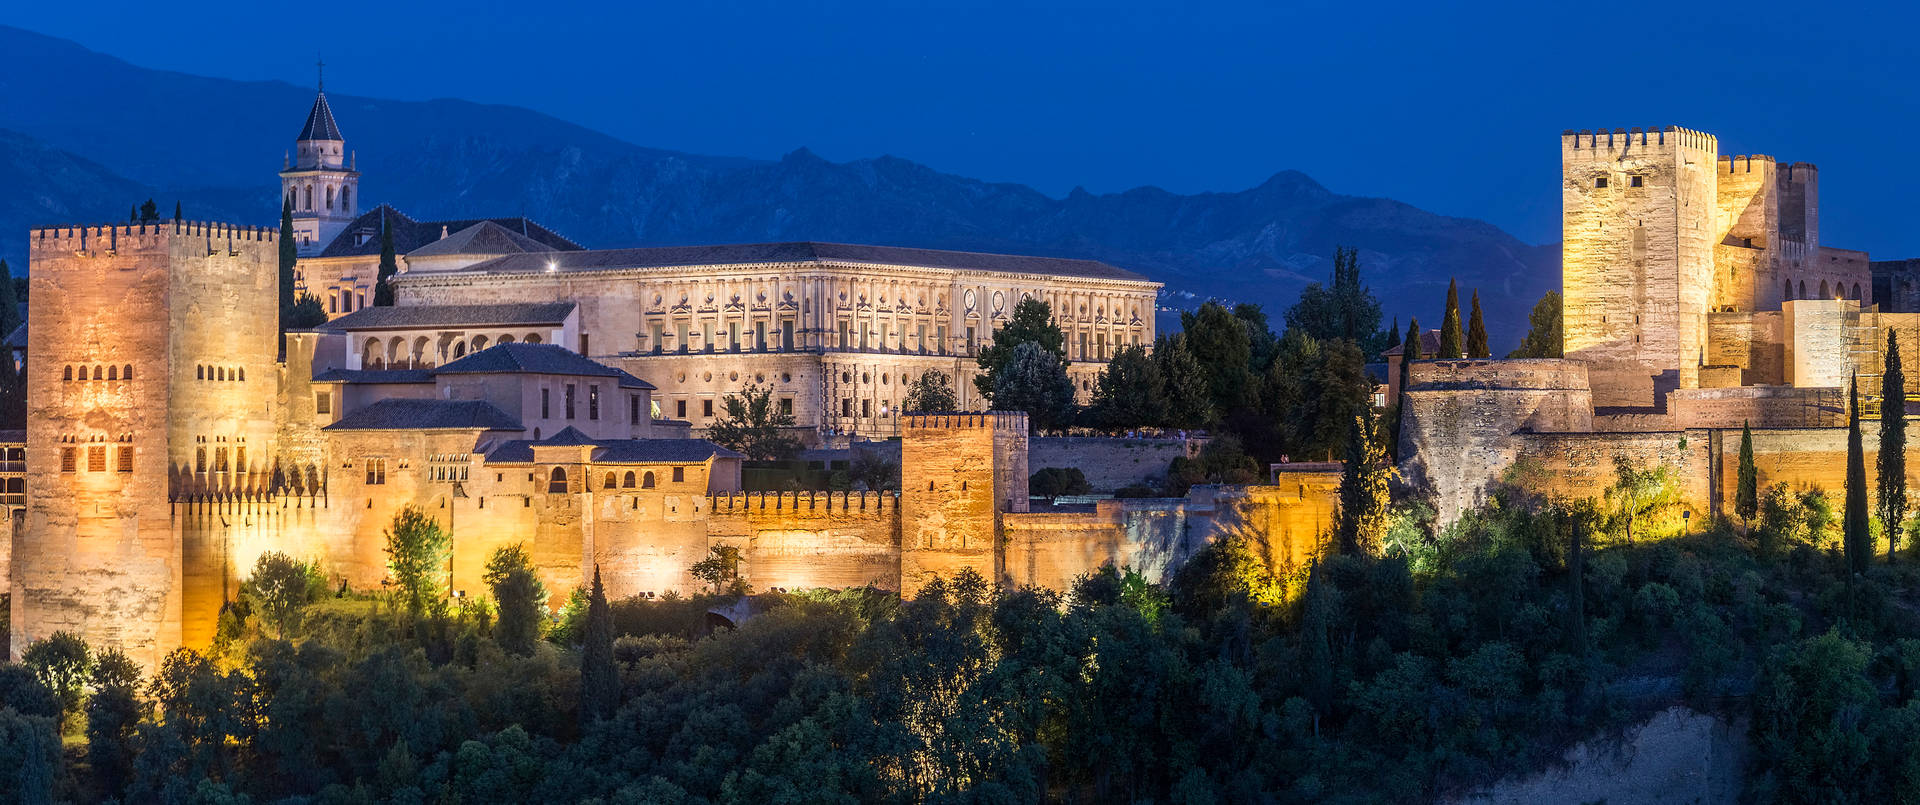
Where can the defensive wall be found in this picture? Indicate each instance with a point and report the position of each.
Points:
(1110, 464)
(795, 540)
(1459, 417)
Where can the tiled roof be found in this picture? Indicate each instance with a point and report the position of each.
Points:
(568, 435)
(545, 359)
(1429, 345)
(482, 238)
(406, 316)
(320, 125)
(404, 414)
(802, 252)
(619, 451)
(410, 235)
(374, 376)
(13, 437)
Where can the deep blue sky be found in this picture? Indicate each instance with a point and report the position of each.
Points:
(1457, 111)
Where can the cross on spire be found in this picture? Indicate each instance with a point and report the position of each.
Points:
(321, 68)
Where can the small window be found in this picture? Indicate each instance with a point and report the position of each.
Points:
(240, 373)
(786, 406)
(593, 402)
(97, 458)
(546, 403)
(126, 458)
(66, 459)
(610, 482)
(126, 372)
(67, 373)
(679, 474)
(199, 372)
(323, 402)
(557, 482)
(113, 373)
(633, 408)
(706, 408)
(219, 459)
(96, 373)
(568, 400)
(200, 459)
(680, 409)
(626, 481)
(1600, 181)
(376, 471)
(1633, 182)
(646, 481)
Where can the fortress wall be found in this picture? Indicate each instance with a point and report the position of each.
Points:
(1456, 431)
(1747, 226)
(1760, 406)
(1108, 463)
(1581, 465)
(796, 540)
(1750, 341)
(957, 473)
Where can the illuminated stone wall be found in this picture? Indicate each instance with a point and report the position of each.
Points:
(795, 540)
(958, 472)
(1457, 429)
(1108, 463)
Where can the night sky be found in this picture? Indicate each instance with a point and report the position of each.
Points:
(1455, 111)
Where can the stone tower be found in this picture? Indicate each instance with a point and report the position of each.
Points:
(1639, 223)
(150, 374)
(320, 182)
(959, 474)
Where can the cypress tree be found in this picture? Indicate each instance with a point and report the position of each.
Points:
(1477, 331)
(1855, 536)
(1409, 352)
(1892, 459)
(1393, 335)
(1746, 501)
(289, 257)
(1316, 637)
(1450, 346)
(1363, 490)
(9, 301)
(149, 211)
(176, 211)
(599, 680)
(383, 282)
(133, 213)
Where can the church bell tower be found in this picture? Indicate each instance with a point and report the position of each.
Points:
(319, 181)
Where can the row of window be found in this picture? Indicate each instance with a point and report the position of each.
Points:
(218, 373)
(295, 198)
(1836, 291)
(1632, 181)
(376, 474)
(96, 455)
(220, 459)
(706, 407)
(97, 372)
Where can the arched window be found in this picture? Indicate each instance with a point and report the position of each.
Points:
(646, 481)
(220, 373)
(309, 204)
(532, 338)
(460, 350)
(479, 343)
(219, 459)
(67, 373)
(557, 482)
(126, 373)
(1787, 292)
(627, 481)
(506, 339)
(1856, 293)
(240, 374)
(113, 373)
(345, 193)
(1823, 289)
(610, 482)
(200, 459)
(329, 197)
(96, 373)
(1803, 290)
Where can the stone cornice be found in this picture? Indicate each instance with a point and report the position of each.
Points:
(809, 269)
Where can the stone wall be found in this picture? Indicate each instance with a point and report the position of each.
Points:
(957, 475)
(1109, 463)
(811, 539)
(1456, 431)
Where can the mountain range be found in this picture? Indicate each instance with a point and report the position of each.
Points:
(84, 136)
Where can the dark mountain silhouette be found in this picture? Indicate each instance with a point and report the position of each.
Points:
(85, 134)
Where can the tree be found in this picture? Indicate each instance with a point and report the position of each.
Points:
(307, 314)
(599, 678)
(1409, 352)
(1219, 340)
(1856, 538)
(1637, 492)
(1032, 322)
(1131, 392)
(720, 569)
(1477, 331)
(133, 213)
(520, 596)
(1034, 381)
(1892, 458)
(1345, 309)
(13, 394)
(752, 425)
(1393, 335)
(278, 590)
(113, 712)
(417, 549)
(1746, 500)
(1362, 520)
(1544, 338)
(289, 258)
(176, 212)
(149, 211)
(389, 265)
(875, 469)
(932, 392)
(1260, 339)
(1052, 482)
(61, 663)
(1316, 638)
(1451, 347)
(1188, 405)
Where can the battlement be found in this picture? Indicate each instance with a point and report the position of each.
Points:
(1539, 374)
(1743, 163)
(1799, 172)
(996, 420)
(113, 237)
(1629, 138)
(804, 503)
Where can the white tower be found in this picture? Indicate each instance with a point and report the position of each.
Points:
(320, 182)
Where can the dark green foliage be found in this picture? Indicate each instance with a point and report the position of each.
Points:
(1031, 322)
(10, 316)
(1362, 521)
(417, 549)
(1052, 482)
(149, 211)
(1188, 402)
(1477, 331)
(1409, 353)
(751, 423)
(307, 314)
(1220, 341)
(1857, 538)
(1544, 334)
(389, 265)
(114, 712)
(1891, 502)
(1746, 498)
(280, 587)
(520, 597)
(1035, 381)
(1132, 392)
(1451, 341)
(1346, 309)
(29, 757)
(599, 679)
(874, 469)
(62, 663)
(932, 392)
(720, 570)
(13, 393)
(176, 212)
(1393, 334)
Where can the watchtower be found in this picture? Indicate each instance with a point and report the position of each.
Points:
(959, 473)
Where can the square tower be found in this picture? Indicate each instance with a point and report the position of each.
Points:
(150, 377)
(959, 474)
(1639, 214)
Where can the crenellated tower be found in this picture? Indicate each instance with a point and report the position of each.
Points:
(319, 180)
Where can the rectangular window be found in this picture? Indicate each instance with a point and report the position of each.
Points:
(126, 458)
(846, 406)
(546, 403)
(706, 408)
(706, 336)
(96, 458)
(583, 345)
(240, 459)
(679, 474)
(659, 335)
(376, 471)
(1103, 346)
(568, 400)
(1600, 181)
(759, 336)
(882, 344)
(633, 408)
(866, 408)
(786, 335)
(920, 338)
(323, 402)
(680, 409)
(940, 339)
(219, 459)
(593, 402)
(733, 336)
(360, 301)
(786, 406)
(844, 343)
(66, 459)
(972, 344)
(680, 330)
(1082, 354)
(1633, 182)
(333, 304)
